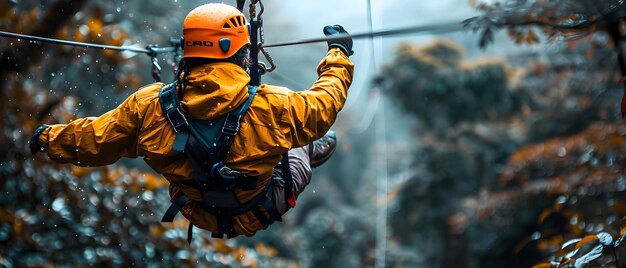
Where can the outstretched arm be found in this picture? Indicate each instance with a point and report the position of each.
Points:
(95, 141)
(314, 111)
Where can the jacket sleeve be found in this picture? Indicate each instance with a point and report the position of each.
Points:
(313, 112)
(96, 141)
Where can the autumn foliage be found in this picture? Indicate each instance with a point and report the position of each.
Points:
(53, 215)
(515, 156)
(512, 161)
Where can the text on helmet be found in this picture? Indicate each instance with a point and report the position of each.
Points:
(199, 43)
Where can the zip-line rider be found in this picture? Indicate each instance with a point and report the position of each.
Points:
(222, 161)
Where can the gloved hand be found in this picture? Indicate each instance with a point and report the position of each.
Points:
(344, 43)
(33, 144)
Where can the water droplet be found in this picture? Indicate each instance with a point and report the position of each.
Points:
(536, 236)
(561, 152)
(58, 204)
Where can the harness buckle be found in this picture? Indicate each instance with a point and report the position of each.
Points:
(227, 177)
(177, 119)
(231, 125)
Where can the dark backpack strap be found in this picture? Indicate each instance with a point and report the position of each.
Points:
(168, 98)
(178, 199)
(225, 138)
(225, 226)
(290, 196)
(225, 217)
(204, 159)
(270, 207)
(233, 120)
(189, 233)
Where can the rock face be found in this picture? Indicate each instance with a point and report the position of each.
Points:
(470, 203)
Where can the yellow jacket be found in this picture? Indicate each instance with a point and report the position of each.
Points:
(278, 119)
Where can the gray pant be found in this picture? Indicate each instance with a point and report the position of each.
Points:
(300, 166)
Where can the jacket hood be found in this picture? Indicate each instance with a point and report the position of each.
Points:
(214, 89)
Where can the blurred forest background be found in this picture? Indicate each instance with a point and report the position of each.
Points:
(512, 155)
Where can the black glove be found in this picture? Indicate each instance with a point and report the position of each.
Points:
(344, 43)
(34, 145)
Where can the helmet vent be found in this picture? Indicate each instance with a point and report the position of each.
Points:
(234, 22)
(227, 26)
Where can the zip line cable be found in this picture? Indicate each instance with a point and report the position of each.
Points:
(70, 43)
(433, 29)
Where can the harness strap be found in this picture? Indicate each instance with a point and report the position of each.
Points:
(288, 179)
(225, 217)
(225, 225)
(168, 98)
(210, 156)
(204, 159)
(169, 103)
(180, 141)
(205, 183)
(210, 173)
(269, 206)
(179, 199)
(231, 126)
(189, 233)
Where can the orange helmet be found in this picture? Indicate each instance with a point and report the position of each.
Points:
(215, 31)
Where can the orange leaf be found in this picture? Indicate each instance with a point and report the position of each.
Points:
(586, 240)
(220, 246)
(265, 250)
(544, 214)
(619, 208)
(156, 230)
(81, 172)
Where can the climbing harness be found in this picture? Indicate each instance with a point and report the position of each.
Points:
(205, 143)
